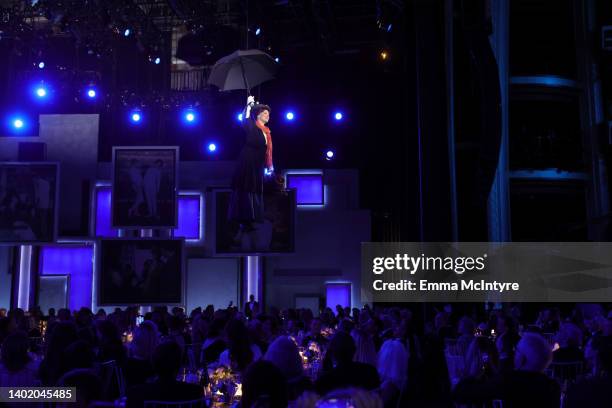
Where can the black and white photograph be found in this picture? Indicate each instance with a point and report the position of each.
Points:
(140, 271)
(28, 202)
(144, 187)
(273, 234)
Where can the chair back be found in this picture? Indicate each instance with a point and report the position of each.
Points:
(456, 368)
(113, 381)
(193, 355)
(199, 403)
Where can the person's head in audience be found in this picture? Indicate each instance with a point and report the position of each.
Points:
(15, 351)
(167, 361)
(78, 354)
(284, 354)
(51, 312)
(61, 335)
(2, 312)
(239, 346)
(216, 329)
(84, 317)
(392, 363)
(175, 325)
(64, 315)
(341, 349)
(569, 335)
(315, 326)
(146, 339)
(339, 311)
(88, 386)
(346, 325)
(263, 385)
(178, 311)
(533, 353)
(504, 325)
(466, 327)
(101, 315)
(110, 346)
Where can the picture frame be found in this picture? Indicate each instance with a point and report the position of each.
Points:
(276, 236)
(144, 187)
(140, 271)
(53, 291)
(29, 202)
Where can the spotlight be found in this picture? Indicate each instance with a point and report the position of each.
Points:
(91, 93)
(41, 64)
(257, 31)
(239, 117)
(329, 155)
(127, 32)
(290, 115)
(18, 123)
(277, 59)
(41, 92)
(389, 28)
(189, 116)
(157, 60)
(212, 147)
(338, 116)
(384, 55)
(135, 116)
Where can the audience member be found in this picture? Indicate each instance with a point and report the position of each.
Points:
(166, 363)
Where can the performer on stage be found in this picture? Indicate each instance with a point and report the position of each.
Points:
(246, 204)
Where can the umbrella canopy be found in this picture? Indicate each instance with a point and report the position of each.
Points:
(243, 69)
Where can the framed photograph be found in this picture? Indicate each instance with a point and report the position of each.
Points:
(145, 181)
(275, 235)
(140, 272)
(53, 292)
(28, 202)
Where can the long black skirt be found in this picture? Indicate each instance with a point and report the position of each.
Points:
(246, 207)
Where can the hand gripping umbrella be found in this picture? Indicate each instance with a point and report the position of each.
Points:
(243, 69)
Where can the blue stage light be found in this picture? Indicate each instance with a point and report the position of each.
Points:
(189, 116)
(329, 155)
(257, 31)
(41, 64)
(389, 28)
(290, 115)
(41, 92)
(239, 117)
(135, 116)
(91, 93)
(157, 60)
(277, 59)
(127, 32)
(338, 116)
(18, 123)
(212, 147)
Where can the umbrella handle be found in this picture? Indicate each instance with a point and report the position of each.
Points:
(244, 78)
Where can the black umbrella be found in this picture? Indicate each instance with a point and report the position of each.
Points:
(243, 69)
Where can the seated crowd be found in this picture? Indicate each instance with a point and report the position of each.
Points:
(372, 357)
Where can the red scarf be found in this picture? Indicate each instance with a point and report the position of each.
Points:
(266, 130)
